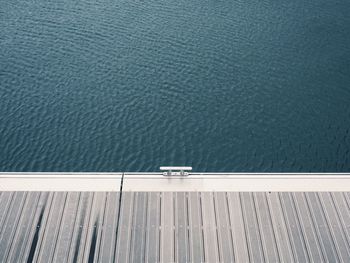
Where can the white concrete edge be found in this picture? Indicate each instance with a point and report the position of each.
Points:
(142, 182)
(80, 182)
(240, 176)
(239, 182)
(238, 185)
(60, 175)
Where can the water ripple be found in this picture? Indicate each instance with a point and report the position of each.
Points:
(132, 85)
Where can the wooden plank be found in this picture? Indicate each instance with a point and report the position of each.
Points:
(81, 227)
(251, 228)
(321, 227)
(334, 225)
(280, 229)
(181, 225)
(39, 234)
(108, 239)
(226, 250)
(37, 227)
(66, 230)
(49, 239)
(343, 213)
(195, 228)
(153, 226)
(24, 227)
(81, 219)
(239, 238)
(167, 228)
(11, 224)
(94, 228)
(265, 226)
(137, 246)
(295, 233)
(211, 246)
(124, 233)
(5, 204)
(315, 250)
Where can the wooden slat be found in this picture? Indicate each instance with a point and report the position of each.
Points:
(11, 224)
(67, 226)
(41, 228)
(94, 228)
(211, 246)
(5, 204)
(343, 213)
(37, 227)
(81, 220)
(153, 227)
(195, 228)
(124, 232)
(181, 224)
(167, 228)
(283, 241)
(314, 248)
(223, 227)
(265, 224)
(108, 239)
(321, 227)
(82, 237)
(24, 226)
(252, 230)
(137, 249)
(295, 233)
(239, 237)
(334, 225)
(49, 239)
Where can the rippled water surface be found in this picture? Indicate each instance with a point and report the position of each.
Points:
(129, 85)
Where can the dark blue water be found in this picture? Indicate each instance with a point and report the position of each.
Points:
(129, 85)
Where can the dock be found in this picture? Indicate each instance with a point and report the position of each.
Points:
(149, 217)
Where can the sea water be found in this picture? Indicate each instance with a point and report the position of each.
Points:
(220, 85)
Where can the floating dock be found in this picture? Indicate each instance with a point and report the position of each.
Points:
(148, 217)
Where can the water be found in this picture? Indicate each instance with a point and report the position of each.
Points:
(129, 85)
